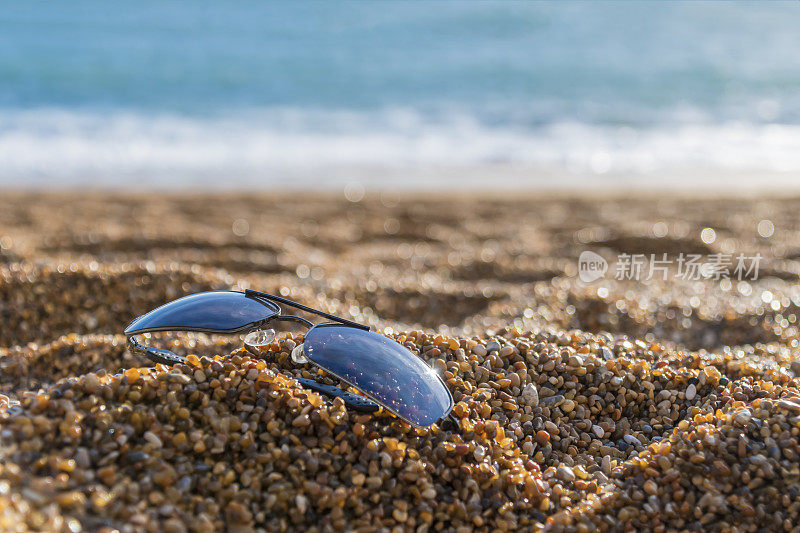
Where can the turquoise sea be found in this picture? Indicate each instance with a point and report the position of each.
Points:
(147, 93)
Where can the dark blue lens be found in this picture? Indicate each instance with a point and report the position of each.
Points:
(381, 368)
(216, 311)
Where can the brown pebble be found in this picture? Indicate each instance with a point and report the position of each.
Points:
(542, 437)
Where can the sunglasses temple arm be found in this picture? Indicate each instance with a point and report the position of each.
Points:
(157, 355)
(256, 294)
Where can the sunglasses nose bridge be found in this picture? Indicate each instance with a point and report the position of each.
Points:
(259, 337)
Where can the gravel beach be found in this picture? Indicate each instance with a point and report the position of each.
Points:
(666, 404)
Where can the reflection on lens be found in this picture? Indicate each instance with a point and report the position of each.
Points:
(382, 369)
(212, 311)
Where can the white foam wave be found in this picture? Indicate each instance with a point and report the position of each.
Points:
(267, 148)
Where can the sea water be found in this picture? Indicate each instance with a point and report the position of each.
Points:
(227, 94)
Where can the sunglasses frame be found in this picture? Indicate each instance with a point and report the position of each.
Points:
(271, 302)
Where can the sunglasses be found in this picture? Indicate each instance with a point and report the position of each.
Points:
(387, 373)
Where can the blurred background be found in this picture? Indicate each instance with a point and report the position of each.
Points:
(394, 95)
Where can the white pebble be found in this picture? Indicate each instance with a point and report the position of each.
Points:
(691, 391)
(598, 431)
(153, 439)
(530, 396)
(302, 503)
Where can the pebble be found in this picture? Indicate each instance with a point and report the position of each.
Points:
(542, 437)
(606, 353)
(545, 392)
(633, 441)
(301, 421)
(82, 459)
(479, 452)
(91, 383)
(581, 472)
(575, 361)
(691, 392)
(530, 396)
(153, 439)
(566, 473)
(552, 401)
(302, 503)
(606, 464)
(400, 515)
(742, 417)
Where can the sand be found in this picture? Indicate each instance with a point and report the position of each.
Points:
(611, 404)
